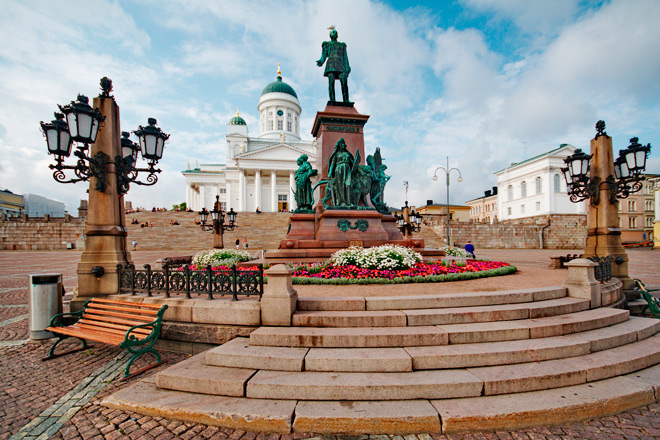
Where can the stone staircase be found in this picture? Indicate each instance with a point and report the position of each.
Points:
(411, 364)
(263, 231)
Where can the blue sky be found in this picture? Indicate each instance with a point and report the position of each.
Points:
(485, 82)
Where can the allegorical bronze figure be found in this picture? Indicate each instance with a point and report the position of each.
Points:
(337, 66)
(304, 192)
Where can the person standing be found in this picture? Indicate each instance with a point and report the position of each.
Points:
(135, 245)
(245, 243)
(469, 248)
(238, 243)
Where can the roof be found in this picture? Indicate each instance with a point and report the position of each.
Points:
(279, 86)
(547, 153)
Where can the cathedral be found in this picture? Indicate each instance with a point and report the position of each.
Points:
(258, 172)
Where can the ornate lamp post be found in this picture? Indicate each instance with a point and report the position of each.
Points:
(408, 222)
(217, 224)
(108, 162)
(599, 177)
(447, 171)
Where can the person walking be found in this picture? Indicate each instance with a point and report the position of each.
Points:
(135, 245)
(245, 243)
(238, 243)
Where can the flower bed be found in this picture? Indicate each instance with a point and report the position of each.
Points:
(330, 273)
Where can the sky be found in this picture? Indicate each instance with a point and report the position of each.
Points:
(480, 83)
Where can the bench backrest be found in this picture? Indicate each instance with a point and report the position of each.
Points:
(112, 316)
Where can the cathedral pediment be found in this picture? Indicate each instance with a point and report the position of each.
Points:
(275, 152)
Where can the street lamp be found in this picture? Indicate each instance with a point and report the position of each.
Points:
(408, 221)
(447, 171)
(107, 158)
(628, 169)
(589, 175)
(79, 122)
(217, 224)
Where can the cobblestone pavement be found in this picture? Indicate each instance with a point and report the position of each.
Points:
(60, 398)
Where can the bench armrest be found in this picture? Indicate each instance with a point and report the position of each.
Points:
(65, 319)
(133, 340)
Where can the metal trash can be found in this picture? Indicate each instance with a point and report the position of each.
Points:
(44, 301)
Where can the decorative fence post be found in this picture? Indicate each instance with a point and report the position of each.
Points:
(278, 302)
(581, 282)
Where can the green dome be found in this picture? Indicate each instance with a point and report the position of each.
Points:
(279, 86)
(237, 120)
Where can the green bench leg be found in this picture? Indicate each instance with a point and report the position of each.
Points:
(139, 354)
(51, 352)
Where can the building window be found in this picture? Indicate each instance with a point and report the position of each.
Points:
(538, 206)
(223, 190)
(510, 192)
(648, 222)
(538, 185)
(508, 210)
(557, 183)
(523, 189)
(279, 124)
(522, 209)
(632, 206)
(288, 115)
(288, 126)
(223, 206)
(632, 222)
(270, 124)
(649, 205)
(270, 113)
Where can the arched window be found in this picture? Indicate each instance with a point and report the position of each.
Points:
(510, 192)
(523, 189)
(538, 186)
(557, 183)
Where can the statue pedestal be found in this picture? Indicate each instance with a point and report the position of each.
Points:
(332, 124)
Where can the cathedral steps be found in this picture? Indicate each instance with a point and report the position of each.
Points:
(262, 231)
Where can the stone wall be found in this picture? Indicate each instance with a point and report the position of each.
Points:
(40, 233)
(557, 231)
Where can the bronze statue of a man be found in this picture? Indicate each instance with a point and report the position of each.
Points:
(304, 192)
(337, 66)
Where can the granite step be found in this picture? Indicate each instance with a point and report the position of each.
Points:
(348, 337)
(194, 376)
(238, 353)
(378, 318)
(532, 350)
(509, 411)
(465, 299)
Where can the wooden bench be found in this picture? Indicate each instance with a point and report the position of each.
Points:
(653, 303)
(130, 325)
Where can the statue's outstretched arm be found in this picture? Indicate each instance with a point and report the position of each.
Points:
(324, 54)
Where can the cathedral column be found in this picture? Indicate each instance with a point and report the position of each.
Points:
(202, 196)
(188, 196)
(229, 197)
(273, 190)
(257, 188)
(292, 184)
(242, 189)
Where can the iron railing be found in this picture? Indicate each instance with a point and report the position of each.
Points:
(208, 281)
(603, 270)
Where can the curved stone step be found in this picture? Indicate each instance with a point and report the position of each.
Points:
(193, 376)
(348, 337)
(238, 353)
(509, 411)
(531, 350)
(448, 315)
(465, 299)
(379, 318)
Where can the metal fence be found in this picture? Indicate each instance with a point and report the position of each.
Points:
(233, 281)
(603, 270)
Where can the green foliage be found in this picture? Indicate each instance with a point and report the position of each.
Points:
(507, 270)
(220, 257)
(181, 206)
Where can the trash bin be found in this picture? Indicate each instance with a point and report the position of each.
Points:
(44, 301)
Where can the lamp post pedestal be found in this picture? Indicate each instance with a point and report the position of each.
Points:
(105, 225)
(603, 230)
(218, 239)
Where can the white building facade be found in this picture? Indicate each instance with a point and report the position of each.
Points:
(258, 172)
(536, 187)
